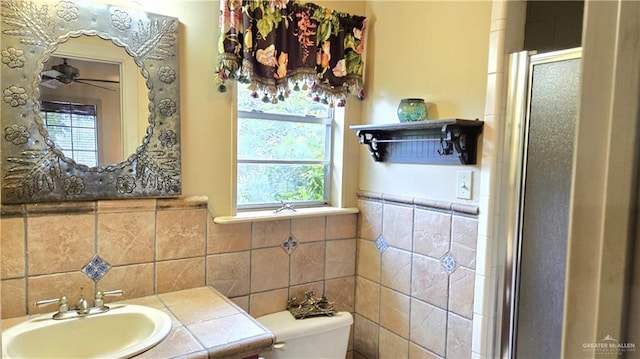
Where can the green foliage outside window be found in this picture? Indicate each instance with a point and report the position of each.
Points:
(278, 147)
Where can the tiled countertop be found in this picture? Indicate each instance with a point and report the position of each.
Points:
(206, 324)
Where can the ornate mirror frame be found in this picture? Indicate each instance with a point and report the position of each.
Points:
(33, 169)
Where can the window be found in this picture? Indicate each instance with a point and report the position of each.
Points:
(72, 127)
(284, 151)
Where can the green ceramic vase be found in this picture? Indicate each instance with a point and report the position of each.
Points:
(412, 109)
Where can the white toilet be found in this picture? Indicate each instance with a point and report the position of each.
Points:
(316, 337)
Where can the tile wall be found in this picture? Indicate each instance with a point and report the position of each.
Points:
(406, 303)
(415, 299)
(45, 246)
(248, 262)
(158, 246)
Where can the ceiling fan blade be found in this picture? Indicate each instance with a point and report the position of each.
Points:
(99, 80)
(51, 83)
(94, 85)
(51, 74)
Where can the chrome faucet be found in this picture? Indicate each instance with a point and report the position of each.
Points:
(63, 306)
(98, 301)
(82, 308)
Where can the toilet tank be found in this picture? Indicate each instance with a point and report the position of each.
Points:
(315, 337)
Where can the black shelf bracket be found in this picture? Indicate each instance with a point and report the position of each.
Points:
(450, 141)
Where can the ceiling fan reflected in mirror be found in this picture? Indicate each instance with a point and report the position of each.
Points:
(65, 74)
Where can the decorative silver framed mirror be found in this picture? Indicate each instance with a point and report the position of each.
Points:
(90, 102)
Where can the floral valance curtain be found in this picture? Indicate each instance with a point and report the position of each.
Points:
(277, 46)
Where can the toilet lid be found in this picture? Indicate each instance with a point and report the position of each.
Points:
(286, 327)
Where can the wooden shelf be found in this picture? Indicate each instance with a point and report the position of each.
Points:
(447, 141)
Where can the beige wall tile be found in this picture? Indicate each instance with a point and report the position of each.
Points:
(269, 269)
(369, 219)
(307, 263)
(137, 280)
(242, 302)
(55, 286)
(464, 239)
(340, 260)
(459, 335)
(191, 297)
(396, 270)
(309, 229)
(60, 208)
(299, 291)
(180, 233)
(270, 233)
(229, 273)
(341, 291)
(397, 226)
(12, 251)
(126, 238)
(342, 226)
(59, 243)
(461, 291)
(224, 238)
(368, 260)
(368, 299)
(268, 302)
(394, 311)
(431, 232)
(182, 203)
(365, 337)
(392, 346)
(179, 274)
(430, 282)
(128, 206)
(12, 210)
(418, 352)
(14, 295)
(428, 326)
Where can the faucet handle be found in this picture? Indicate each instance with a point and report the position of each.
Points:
(63, 303)
(113, 293)
(99, 298)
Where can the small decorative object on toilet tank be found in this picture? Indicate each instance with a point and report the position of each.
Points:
(412, 109)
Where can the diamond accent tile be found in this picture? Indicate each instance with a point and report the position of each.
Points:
(448, 263)
(381, 244)
(290, 244)
(96, 268)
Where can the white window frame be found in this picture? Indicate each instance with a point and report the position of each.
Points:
(327, 162)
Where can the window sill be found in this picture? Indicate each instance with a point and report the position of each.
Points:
(259, 216)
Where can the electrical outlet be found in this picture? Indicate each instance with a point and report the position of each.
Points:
(464, 184)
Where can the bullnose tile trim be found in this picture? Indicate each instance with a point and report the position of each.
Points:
(268, 215)
(464, 208)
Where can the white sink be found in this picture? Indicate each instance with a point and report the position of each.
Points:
(122, 332)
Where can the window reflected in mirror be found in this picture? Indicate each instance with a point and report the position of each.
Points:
(73, 127)
(89, 70)
(83, 100)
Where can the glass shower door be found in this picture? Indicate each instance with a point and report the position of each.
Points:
(541, 166)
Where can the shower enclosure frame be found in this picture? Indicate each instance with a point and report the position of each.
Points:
(512, 179)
